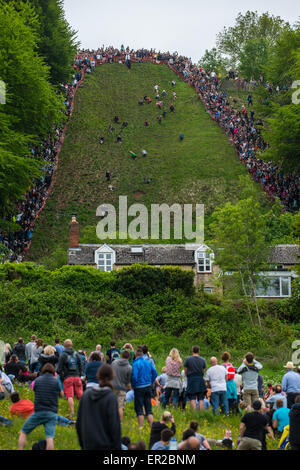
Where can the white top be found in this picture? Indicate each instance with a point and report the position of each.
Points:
(238, 379)
(217, 378)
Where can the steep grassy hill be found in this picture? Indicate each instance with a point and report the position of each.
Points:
(202, 169)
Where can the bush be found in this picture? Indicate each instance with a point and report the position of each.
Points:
(141, 280)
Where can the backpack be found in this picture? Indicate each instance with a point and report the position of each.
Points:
(114, 355)
(230, 372)
(72, 362)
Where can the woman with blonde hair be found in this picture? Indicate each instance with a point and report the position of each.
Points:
(173, 384)
(7, 353)
(49, 355)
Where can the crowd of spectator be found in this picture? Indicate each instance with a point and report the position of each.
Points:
(105, 382)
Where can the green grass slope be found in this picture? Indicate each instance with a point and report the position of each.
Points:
(202, 169)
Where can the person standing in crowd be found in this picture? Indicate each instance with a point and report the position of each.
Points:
(142, 379)
(173, 366)
(146, 355)
(230, 384)
(112, 353)
(98, 423)
(20, 351)
(291, 384)
(128, 347)
(216, 377)
(48, 355)
(91, 369)
(295, 424)
(122, 379)
(194, 368)
(46, 390)
(249, 371)
(36, 350)
(253, 427)
(70, 372)
(28, 348)
(58, 347)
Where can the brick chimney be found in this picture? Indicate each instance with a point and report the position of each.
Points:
(73, 233)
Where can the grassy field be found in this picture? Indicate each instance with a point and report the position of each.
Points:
(202, 169)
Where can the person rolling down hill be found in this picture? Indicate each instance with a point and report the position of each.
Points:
(133, 155)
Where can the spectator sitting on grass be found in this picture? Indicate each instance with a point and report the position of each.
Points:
(158, 426)
(165, 437)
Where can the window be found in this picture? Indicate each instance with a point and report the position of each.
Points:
(204, 262)
(105, 258)
(105, 262)
(208, 290)
(279, 286)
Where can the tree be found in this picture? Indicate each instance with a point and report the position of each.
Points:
(283, 65)
(240, 247)
(283, 136)
(34, 104)
(253, 58)
(231, 41)
(16, 169)
(212, 60)
(56, 40)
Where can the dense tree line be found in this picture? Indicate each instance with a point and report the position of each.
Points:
(37, 47)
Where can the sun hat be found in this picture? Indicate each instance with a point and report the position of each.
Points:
(289, 365)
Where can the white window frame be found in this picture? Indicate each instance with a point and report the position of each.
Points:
(206, 254)
(107, 255)
(208, 290)
(280, 275)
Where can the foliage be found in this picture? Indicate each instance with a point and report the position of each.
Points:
(283, 135)
(240, 245)
(34, 104)
(248, 27)
(141, 280)
(253, 57)
(91, 306)
(57, 40)
(212, 60)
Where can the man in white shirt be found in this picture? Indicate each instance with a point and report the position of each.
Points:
(216, 378)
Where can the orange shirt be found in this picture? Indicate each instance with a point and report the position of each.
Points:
(23, 408)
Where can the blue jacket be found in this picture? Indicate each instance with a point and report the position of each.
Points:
(143, 373)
